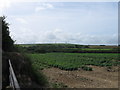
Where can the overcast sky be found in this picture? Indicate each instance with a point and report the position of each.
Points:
(62, 22)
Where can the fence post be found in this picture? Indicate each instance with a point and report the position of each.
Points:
(13, 79)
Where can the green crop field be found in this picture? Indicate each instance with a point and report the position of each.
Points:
(73, 61)
(97, 49)
(66, 48)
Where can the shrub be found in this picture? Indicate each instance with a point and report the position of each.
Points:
(23, 68)
(87, 68)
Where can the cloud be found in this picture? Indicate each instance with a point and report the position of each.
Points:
(60, 36)
(47, 5)
(73, 25)
(92, 39)
(21, 20)
(39, 8)
(4, 4)
(22, 35)
(44, 6)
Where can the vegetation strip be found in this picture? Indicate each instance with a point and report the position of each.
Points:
(73, 61)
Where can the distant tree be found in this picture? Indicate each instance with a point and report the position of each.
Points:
(7, 42)
(86, 46)
(78, 46)
(102, 45)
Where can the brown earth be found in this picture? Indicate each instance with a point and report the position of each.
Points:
(100, 77)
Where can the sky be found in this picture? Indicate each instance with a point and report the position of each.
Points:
(88, 23)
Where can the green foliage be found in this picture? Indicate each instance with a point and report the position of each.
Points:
(35, 73)
(73, 61)
(44, 48)
(38, 77)
(23, 67)
(7, 42)
(5, 70)
(58, 85)
(66, 48)
(95, 49)
(87, 68)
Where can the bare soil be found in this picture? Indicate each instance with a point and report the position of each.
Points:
(100, 77)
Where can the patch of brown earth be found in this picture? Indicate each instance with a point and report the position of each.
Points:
(100, 77)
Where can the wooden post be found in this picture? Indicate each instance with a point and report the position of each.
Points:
(13, 79)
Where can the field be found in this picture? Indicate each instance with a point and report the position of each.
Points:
(67, 48)
(72, 65)
(97, 49)
(78, 70)
(100, 77)
(73, 61)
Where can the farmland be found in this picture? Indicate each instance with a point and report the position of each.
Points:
(72, 65)
(73, 61)
(66, 48)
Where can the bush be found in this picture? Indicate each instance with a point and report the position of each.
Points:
(7, 42)
(25, 72)
(39, 77)
(5, 70)
(87, 68)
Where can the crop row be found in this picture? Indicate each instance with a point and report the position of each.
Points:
(73, 61)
